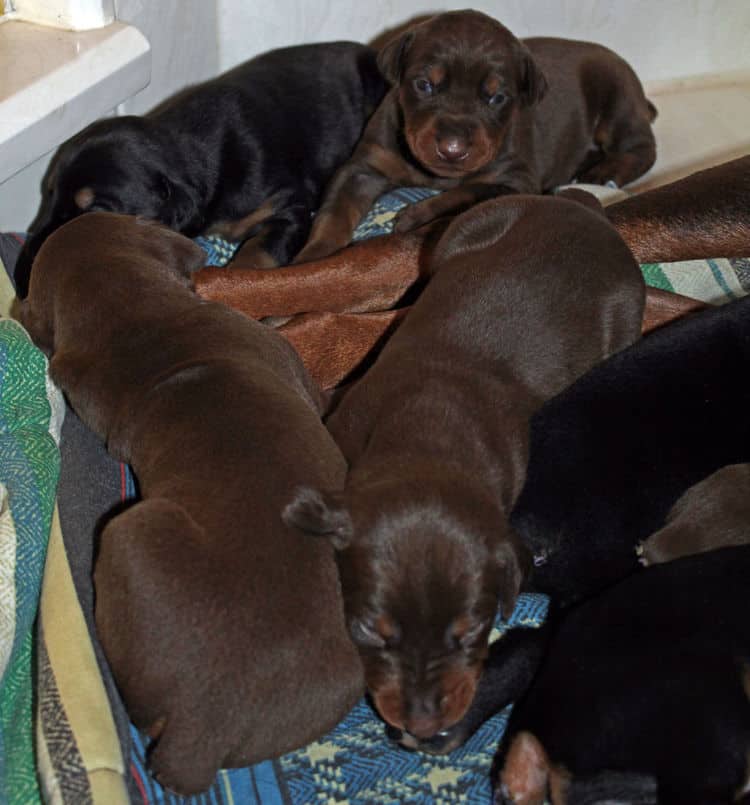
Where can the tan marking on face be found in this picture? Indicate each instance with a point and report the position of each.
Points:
(389, 704)
(491, 85)
(458, 687)
(84, 198)
(461, 626)
(436, 75)
(385, 627)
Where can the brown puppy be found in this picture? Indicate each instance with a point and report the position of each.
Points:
(223, 627)
(477, 113)
(712, 514)
(528, 293)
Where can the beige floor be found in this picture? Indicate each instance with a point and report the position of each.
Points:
(697, 128)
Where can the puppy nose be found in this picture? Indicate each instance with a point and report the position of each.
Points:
(423, 722)
(452, 149)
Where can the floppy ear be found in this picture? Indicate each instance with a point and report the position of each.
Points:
(321, 514)
(391, 57)
(514, 563)
(532, 83)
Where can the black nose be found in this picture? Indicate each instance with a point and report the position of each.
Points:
(452, 149)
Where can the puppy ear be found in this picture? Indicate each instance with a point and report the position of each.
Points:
(532, 84)
(514, 564)
(391, 57)
(319, 513)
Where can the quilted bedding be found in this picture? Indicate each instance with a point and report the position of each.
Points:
(86, 751)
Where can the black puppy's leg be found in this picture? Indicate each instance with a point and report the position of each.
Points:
(275, 242)
(508, 671)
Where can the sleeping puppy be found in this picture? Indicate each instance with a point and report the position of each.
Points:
(476, 113)
(643, 695)
(245, 155)
(609, 457)
(207, 604)
(527, 294)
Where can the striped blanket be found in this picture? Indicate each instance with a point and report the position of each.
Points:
(86, 751)
(30, 416)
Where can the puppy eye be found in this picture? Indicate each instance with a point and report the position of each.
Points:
(498, 99)
(423, 86)
(365, 634)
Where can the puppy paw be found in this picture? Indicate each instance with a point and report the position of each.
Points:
(411, 217)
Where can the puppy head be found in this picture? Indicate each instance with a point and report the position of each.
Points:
(115, 165)
(421, 582)
(461, 76)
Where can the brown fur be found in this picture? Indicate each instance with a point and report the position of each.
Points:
(527, 294)
(223, 627)
(477, 113)
(703, 215)
(706, 214)
(712, 514)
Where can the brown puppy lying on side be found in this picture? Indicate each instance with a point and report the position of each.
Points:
(207, 605)
(527, 294)
(476, 113)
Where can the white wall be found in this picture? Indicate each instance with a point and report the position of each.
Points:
(193, 39)
(184, 50)
(662, 39)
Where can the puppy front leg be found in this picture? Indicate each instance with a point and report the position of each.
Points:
(451, 202)
(348, 198)
(280, 237)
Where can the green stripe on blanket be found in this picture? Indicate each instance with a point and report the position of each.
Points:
(29, 470)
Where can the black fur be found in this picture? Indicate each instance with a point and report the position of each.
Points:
(650, 677)
(272, 130)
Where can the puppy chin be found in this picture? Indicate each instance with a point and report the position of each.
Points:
(457, 693)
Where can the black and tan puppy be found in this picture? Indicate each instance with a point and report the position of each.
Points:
(609, 458)
(246, 155)
(527, 294)
(476, 113)
(207, 604)
(643, 695)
